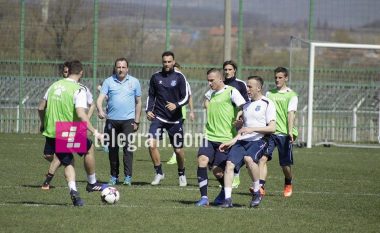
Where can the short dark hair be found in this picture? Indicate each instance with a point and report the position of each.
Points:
(281, 70)
(75, 67)
(167, 53)
(214, 70)
(230, 62)
(258, 79)
(121, 59)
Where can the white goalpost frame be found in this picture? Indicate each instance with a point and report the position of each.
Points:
(313, 46)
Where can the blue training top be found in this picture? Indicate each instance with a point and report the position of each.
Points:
(121, 102)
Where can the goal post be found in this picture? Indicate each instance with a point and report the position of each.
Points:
(307, 58)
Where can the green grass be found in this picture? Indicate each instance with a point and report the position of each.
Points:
(335, 190)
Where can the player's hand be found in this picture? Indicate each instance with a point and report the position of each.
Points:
(170, 106)
(99, 136)
(223, 147)
(135, 126)
(42, 128)
(150, 116)
(192, 116)
(244, 130)
(291, 138)
(238, 124)
(102, 115)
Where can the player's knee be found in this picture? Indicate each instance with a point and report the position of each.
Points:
(49, 157)
(230, 166)
(202, 161)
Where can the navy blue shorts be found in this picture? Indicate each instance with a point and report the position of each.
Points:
(175, 132)
(254, 149)
(64, 158)
(215, 156)
(284, 147)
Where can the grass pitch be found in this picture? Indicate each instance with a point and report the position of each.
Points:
(335, 190)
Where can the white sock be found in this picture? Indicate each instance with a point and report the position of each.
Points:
(91, 178)
(72, 185)
(237, 174)
(256, 186)
(227, 192)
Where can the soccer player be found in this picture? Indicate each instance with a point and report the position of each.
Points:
(230, 69)
(168, 92)
(177, 67)
(54, 162)
(221, 115)
(259, 118)
(286, 101)
(67, 102)
(123, 94)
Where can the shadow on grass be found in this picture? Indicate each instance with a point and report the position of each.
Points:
(192, 203)
(38, 203)
(35, 186)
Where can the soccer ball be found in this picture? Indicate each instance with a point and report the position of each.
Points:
(110, 195)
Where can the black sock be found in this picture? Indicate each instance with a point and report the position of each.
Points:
(202, 180)
(158, 169)
(288, 181)
(49, 177)
(181, 172)
(262, 183)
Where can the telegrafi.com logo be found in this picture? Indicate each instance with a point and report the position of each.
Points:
(133, 141)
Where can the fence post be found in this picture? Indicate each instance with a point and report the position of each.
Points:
(168, 23)
(21, 65)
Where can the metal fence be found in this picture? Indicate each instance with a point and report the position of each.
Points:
(37, 36)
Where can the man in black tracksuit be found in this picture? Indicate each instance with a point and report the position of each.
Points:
(167, 94)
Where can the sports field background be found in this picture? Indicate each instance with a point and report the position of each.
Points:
(335, 190)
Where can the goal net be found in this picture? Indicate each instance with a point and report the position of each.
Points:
(339, 92)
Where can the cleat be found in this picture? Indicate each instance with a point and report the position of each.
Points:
(288, 190)
(77, 201)
(157, 179)
(220, 198)
(128, 180)
(95, 187)
(262, 191)
(45, 186)
(182, 181)
(236, 182)
(113, 180)
(172, 160)
(203, 202)
(256, 199)
(227, 203)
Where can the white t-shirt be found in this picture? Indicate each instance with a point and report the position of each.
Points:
(257, 114)
(78, 96)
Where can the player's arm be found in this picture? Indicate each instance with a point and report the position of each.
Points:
(184, 92)
(292, 108)
(91, 110)
(269, 129)
(191, 106)
(226, 145)
(291, 118)
(41, 113)
(99, 106)
(150, 100)
(137, 112)
(80, 101)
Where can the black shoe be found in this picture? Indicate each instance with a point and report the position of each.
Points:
(227, 203)
(77, 201)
